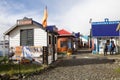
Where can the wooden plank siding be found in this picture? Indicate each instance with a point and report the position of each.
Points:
(40, 36)
(14, 38)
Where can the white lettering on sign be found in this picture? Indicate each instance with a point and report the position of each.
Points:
(24, 22)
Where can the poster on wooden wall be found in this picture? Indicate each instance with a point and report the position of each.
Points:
(28, 52)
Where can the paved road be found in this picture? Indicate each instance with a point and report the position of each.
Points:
(81, 67)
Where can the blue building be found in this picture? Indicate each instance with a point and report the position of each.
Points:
(103, 32)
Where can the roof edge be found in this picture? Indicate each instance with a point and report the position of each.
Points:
(10, 29)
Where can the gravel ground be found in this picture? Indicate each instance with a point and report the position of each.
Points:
(81, 67)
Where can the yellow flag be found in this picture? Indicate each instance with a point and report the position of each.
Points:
(44, 20)
(118, 27)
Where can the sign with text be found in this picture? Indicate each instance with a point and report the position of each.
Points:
(24, 22)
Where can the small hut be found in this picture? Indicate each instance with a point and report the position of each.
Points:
(65, 41)
(28, 39)
(104, 32)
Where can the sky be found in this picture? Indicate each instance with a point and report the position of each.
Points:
(72, 15)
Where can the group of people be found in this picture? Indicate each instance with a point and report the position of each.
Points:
(112, 48)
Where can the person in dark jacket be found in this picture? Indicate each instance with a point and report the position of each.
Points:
(112, 48)
(105, 49)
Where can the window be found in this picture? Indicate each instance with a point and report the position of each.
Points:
(63, 43)
(55, 40)
(50, 40)
(26, 37)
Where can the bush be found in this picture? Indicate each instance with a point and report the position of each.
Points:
(12, 69)
(4, 60)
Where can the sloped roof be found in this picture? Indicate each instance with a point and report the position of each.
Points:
(64, 32)
(106, 28)
(52, 28)
(16, 25)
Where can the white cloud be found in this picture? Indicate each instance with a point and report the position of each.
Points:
(8, 18)
(77, 18)
(73, 16)
(8, 21)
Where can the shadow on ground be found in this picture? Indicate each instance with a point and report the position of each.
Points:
(83, 61)
(83, 51)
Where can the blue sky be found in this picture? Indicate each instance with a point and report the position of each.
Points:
(72, 15)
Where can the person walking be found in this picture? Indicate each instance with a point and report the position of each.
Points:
(105, 49)
(112, 48)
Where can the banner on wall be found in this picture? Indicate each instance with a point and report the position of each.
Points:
(28, 52)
